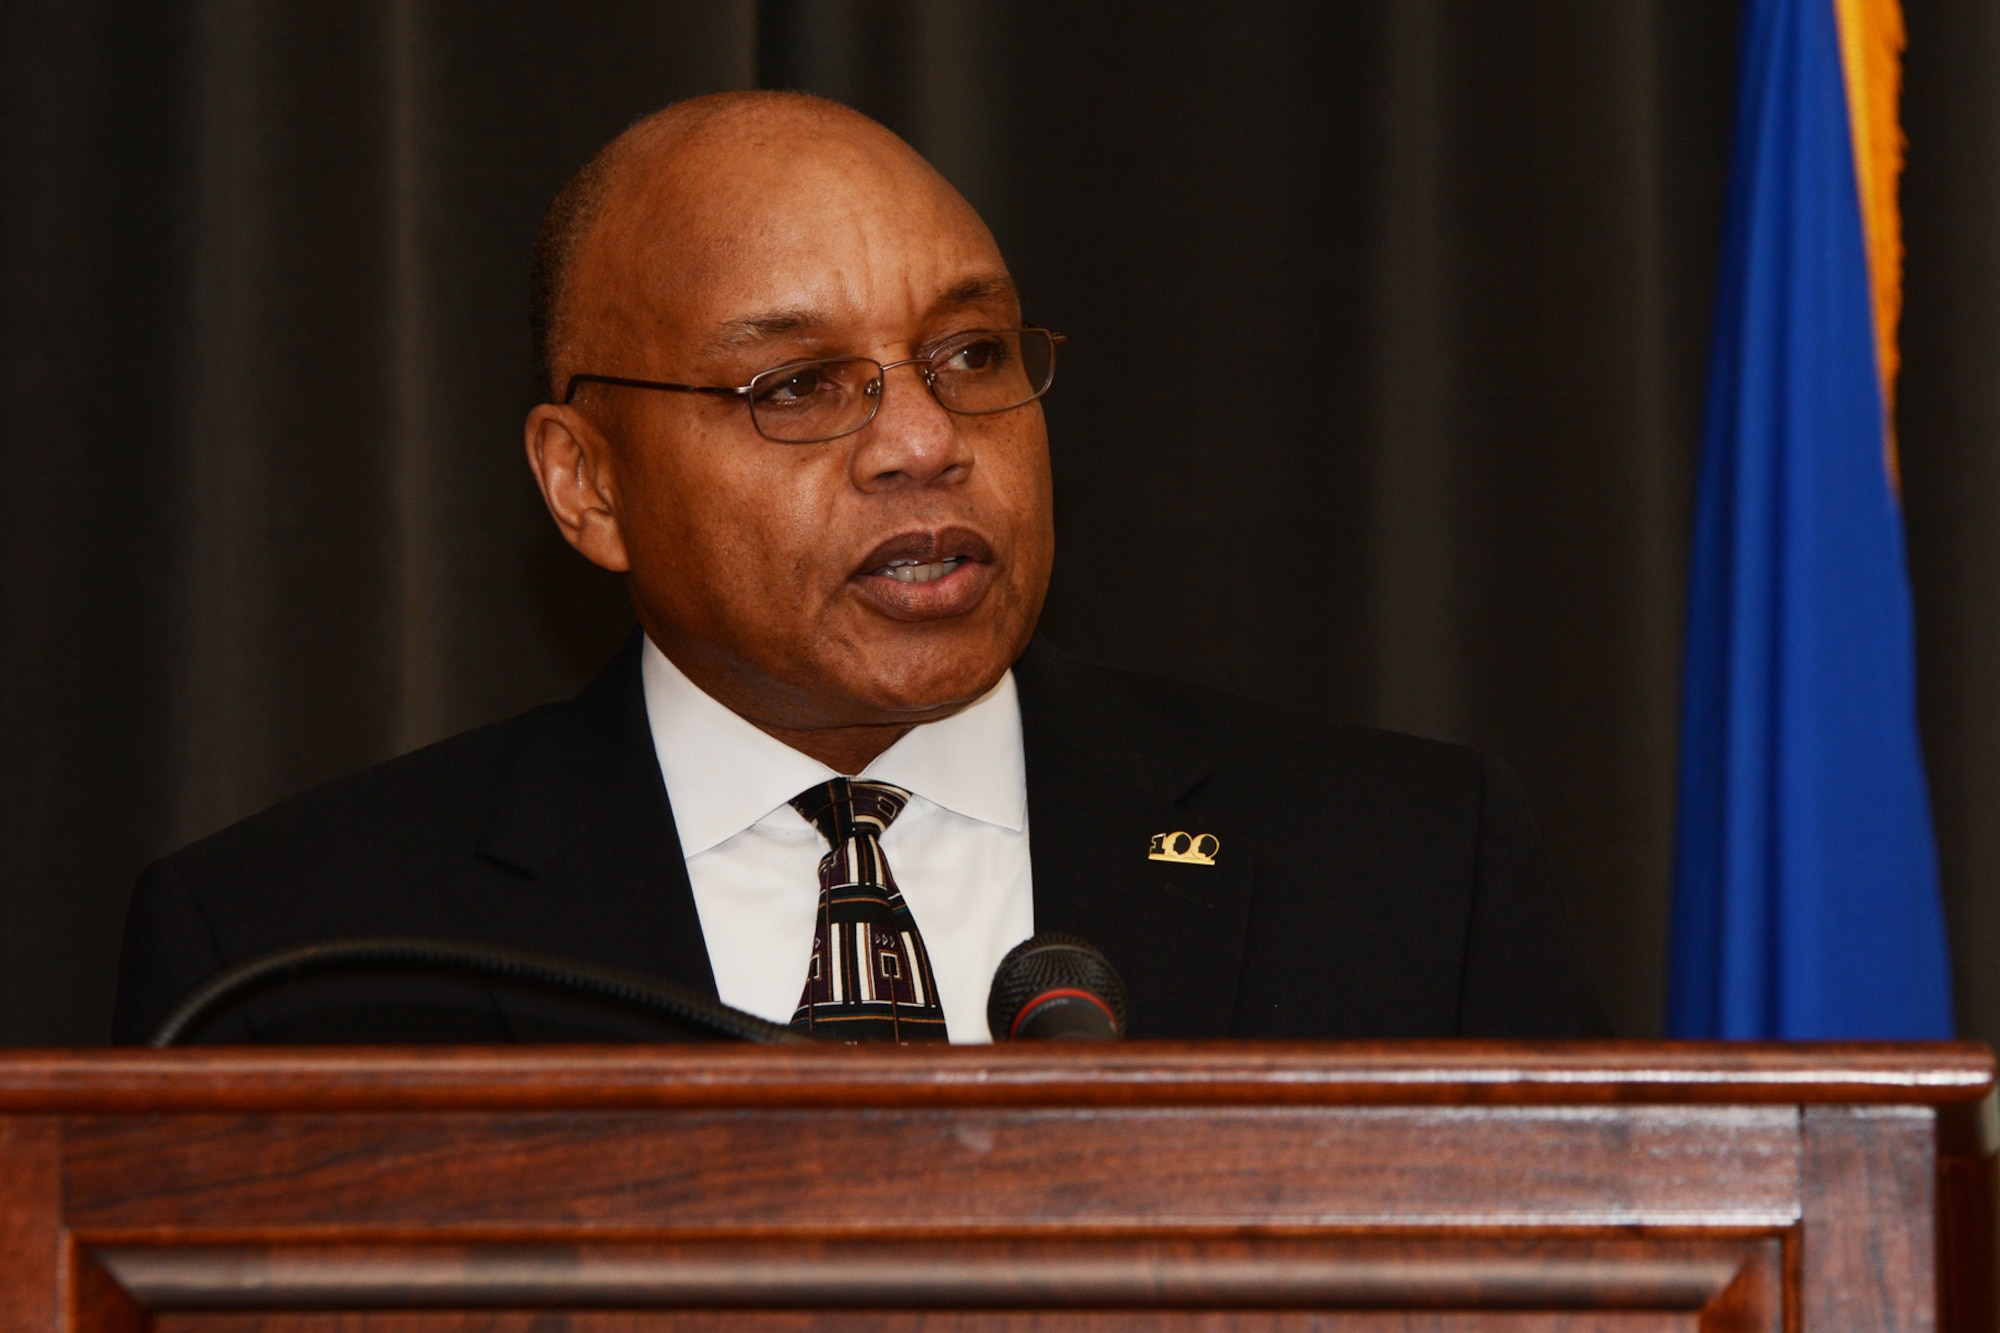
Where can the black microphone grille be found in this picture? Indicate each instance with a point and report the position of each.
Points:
(1056, 986)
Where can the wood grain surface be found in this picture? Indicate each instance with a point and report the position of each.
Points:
(899, 1271)
(1229, 1187)
(30, 1221)
(1137, 1073)
(1867, 1259)
(936, 1167)
(983, 1321)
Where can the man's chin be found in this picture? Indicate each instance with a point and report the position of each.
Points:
(927, 680)
(910, 702)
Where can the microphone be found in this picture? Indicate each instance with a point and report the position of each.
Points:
(1056, 988)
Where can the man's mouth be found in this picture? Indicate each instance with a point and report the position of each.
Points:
(927, 575)
(912, 571)
(926, 557)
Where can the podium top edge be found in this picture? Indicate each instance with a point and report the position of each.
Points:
(224, 1078)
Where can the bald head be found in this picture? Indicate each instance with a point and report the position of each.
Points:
(671, 202)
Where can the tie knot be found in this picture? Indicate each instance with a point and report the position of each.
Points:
(842, 808)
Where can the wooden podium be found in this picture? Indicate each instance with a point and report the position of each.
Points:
(1438, 1187)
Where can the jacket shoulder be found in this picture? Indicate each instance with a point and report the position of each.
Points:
(1271, 746)
(412, 806)
(356, 855)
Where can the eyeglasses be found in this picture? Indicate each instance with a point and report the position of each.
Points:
(804, 402)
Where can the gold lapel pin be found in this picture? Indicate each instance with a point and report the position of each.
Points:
(1197, 849)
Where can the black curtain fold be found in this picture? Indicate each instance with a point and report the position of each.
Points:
(1948, 418)
(1388, 325)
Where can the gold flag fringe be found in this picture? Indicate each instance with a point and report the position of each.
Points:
(1872, 38)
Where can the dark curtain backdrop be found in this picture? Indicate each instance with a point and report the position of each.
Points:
(1388, 324)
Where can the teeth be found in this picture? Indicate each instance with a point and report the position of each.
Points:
(909, 571)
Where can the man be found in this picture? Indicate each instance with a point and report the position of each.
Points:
(792, 399)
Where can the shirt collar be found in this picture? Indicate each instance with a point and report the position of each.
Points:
(723, 774)
(970, 763)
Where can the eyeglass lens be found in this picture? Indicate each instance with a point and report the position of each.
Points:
(975, 375)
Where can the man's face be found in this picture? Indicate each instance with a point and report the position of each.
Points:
(766, 569)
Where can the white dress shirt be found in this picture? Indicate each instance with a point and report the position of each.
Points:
(959, 850)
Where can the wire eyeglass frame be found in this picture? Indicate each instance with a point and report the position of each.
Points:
(871, 391)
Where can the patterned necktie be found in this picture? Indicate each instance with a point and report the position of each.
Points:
(870, 978)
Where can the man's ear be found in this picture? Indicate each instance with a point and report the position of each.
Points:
(571, 461)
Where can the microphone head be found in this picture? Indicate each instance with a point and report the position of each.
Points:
(1056, 988)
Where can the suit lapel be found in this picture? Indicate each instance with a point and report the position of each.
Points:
(1105, 775)
(586, 815)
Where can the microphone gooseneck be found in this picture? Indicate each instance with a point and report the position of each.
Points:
(410, 955)
(1056, 988)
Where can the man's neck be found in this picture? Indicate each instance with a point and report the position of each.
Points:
(845, 750)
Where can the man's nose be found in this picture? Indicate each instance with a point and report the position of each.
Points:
(912, 441)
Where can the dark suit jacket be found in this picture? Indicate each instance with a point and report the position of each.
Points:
(1367, 885)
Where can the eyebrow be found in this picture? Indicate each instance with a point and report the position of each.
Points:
(748, 332)
(985, 287)
(752, 330)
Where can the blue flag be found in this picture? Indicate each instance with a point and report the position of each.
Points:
(1806, 887)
